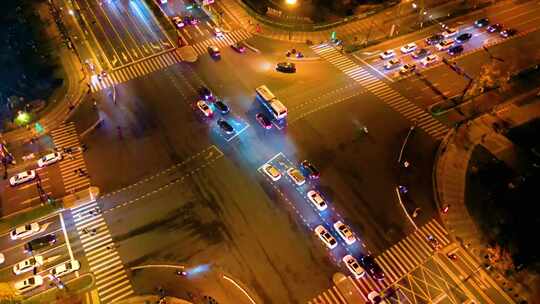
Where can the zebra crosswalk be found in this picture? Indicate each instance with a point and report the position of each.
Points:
(112, 281)
(382, 90)
(135, 70)
(66, 137)
(225, 41)
(396, 262)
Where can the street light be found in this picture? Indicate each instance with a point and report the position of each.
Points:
(414, 5)
(290, 2)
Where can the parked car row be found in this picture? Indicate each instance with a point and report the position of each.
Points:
(29, 175)
(35, 247)
(36, 281)
(451, 41)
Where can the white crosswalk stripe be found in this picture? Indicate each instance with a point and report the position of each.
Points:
(138, 69)
(396, 262)
(228, 39)
(66, 137)
(111, 278)
(382, 90)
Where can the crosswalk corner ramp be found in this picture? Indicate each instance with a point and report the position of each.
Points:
(81, 198)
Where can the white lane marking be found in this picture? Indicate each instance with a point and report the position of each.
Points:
(373, 68)
(67, 240)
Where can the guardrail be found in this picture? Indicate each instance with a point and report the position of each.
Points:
(296, 27)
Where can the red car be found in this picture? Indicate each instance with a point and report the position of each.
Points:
(239, 47)
(264, 121)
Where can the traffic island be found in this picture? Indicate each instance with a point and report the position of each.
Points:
(70, 293)
(187, 53)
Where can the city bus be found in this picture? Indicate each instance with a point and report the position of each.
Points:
(269, 100)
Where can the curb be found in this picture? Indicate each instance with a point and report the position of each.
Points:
(249, 46)
(92, 127)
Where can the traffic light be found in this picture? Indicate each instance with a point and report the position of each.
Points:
(333, 35)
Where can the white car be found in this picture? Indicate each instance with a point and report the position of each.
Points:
(317, 200)
(451, 32)
(28, 264)
(24, 231)
(297, 176)
(408, 48)
(325, 237)
(49, 159)
(218, 32)
(392, 63)
(429, 60)
(205, 109)
(272, 172)
(387, 54)
(445, 45)
(22, 177)
(65, 268)
(29, 283)
(344, 232)
(353, 266)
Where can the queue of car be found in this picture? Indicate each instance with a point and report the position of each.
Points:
(35, 247)
(208, 102)
(450, 40)
(329, 237)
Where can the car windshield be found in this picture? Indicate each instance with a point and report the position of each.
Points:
(31, 281)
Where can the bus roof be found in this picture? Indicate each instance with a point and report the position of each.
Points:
(265, 93)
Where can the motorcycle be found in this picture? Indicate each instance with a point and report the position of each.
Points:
(433, 242)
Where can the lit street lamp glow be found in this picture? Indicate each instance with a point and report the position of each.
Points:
(414, 5)
(290, 2)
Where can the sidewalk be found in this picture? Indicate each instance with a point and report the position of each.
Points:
(374, 27)
(451, 167)
(61, 107)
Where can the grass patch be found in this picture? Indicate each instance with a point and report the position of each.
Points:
(8, 223)
(74, 288)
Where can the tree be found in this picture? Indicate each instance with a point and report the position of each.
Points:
(8, 294)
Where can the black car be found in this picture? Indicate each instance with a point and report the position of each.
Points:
(214, 52)
(205, 93)
(309, 170)
(455, 50)
(374, 270)
(286, 67)
(463, 37)
(497, 27)
(420, 53)
(508, 32)
(222, 107)
(434, 39)
(225, 126)
(481, 22)
(40, 242)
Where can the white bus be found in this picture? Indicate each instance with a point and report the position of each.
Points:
(269, 100)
